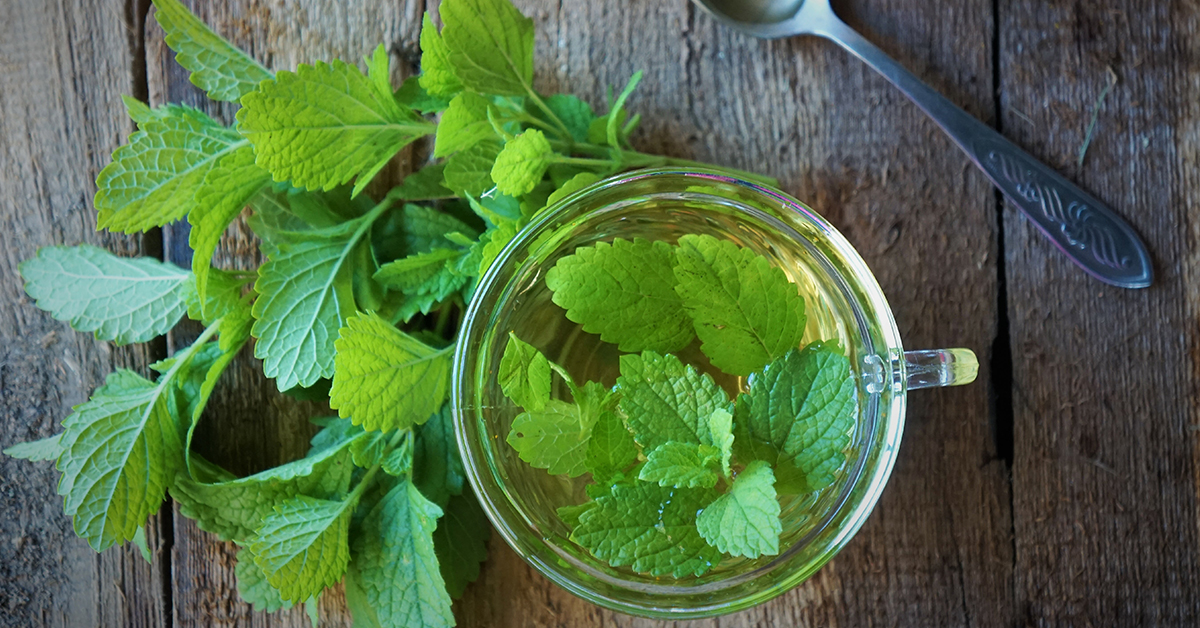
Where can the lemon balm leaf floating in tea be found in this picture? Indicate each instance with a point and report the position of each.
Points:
(120, 299)
(745, 310)
(682, 465)
(611, 448)
(217, 67)
(745, 521)
(524, 374)
(667, 400)
(325, 124)
(394, 561)
(648, 527)
(386, 379)
(801, 408)
(624, 291)
(553, 438)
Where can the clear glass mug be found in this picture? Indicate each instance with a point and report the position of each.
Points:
(665, 204)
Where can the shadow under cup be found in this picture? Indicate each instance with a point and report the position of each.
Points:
(666, 204)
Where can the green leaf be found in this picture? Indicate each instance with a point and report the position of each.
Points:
(803, 406)
(720, 428)
(303, 547)
(524, 374)
(413, 96)
(437, 469)
(616, 116)
(469, 172)
(576, 114)
(153, 180)
(553, 438)
(217, 66)
(460, 542)
(437, 71)
(234, 508)
(322, 125)
(121, 449)
(119, 298)
(139, 111)
(379, 70)
(139, 540)
(490, 44)
(305, 296)
(425, 229)
(745, 521)
(464, 124)
(425, 184)
(745, 310)
(386, 379)
(253, 587)
(522, 163)
(651, 528)
(227, 189)
(40, 450)
(430, 273)
(667, 401)
(395, 565)
(573, 185)
(624, 291)
(611, 448)
(681, 465)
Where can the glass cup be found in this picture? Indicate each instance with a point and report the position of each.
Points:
(665, 204)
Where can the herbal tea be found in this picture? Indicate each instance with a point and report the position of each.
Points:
(687, 400)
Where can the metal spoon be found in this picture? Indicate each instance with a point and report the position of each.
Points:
(1083, 228)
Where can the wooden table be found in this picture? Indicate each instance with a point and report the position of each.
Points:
(1060, 489)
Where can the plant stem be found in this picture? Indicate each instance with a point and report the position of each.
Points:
(565, 133)
(635, 159)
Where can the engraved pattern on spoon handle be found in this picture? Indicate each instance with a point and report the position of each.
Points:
(1086, 230)
(1083, 228)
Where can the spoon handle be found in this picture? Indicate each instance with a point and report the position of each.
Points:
(1082, 227)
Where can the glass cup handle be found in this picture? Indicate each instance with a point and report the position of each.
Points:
(940, 367)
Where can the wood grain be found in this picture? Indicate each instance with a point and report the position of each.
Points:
(63, 67)
(1104, 400)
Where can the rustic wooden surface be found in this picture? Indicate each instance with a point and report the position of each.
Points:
(1058, 490)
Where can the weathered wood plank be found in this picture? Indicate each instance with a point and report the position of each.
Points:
(271, 428)
(938, 550)
(1104, 406)
(63, 67)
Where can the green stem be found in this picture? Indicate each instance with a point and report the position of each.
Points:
(374, 470)
(583, 161)
(185, 357)
(635, 159)
(443, 318)
(565, 133)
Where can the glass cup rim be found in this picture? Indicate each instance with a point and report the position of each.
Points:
(874, 477)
